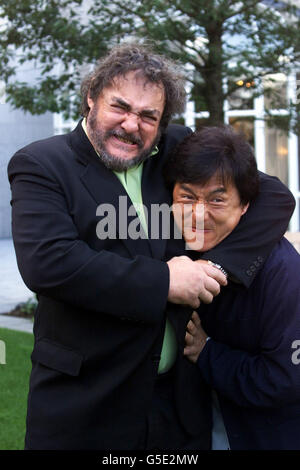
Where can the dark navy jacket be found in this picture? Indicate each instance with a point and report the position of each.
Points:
(252, 359)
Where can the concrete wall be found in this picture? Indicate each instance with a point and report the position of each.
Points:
(16, 130)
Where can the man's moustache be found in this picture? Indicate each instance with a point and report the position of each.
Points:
(124, 135)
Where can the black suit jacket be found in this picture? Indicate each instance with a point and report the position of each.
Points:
(102, 303)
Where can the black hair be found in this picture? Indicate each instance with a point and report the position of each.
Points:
(215, 151)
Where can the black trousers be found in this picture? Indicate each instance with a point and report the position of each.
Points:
(164, 430)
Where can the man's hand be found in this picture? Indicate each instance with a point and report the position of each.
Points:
(192, 281)
(195, 338)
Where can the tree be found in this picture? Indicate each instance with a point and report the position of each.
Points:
(56, 39)
(226, 42)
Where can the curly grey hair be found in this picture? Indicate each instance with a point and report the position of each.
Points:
(155, 68)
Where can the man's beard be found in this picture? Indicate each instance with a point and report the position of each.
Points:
(98, 138)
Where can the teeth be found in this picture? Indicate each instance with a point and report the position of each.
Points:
(126, 141)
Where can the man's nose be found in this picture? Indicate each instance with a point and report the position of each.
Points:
(130, 123)
(206, 213)
(198, 212)
(201, 211)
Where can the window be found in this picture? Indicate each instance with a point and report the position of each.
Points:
(277, 153)
(275, 91)
(242, 97)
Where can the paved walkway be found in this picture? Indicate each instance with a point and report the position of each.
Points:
(12, 288)
(15, 323)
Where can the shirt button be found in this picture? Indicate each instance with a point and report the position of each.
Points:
(249, 273)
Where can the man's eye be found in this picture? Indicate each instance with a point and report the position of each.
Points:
(188, 197)
(148, 118)
(118, 107)
(217, 200)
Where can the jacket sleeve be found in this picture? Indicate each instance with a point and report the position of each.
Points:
(271, 376)
(56, 263)
(243, 252)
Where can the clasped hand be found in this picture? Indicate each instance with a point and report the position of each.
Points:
(193, 281)
(195, 338)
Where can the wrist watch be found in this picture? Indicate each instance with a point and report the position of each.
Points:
(218, 266)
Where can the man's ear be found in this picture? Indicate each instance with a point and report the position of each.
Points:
(90, 102)
(245, 208)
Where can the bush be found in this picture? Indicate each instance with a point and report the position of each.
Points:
(28, 308)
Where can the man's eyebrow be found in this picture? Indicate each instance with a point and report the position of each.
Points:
(187, 189)
(121, 102)
(219, 190)
(126, 105)
(152, 112)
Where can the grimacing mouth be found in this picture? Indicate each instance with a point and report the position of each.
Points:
(126, 141)
(125, 138)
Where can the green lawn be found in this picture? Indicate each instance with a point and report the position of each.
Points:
(14, 379)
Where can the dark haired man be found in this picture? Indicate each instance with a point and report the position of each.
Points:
(108, 346)
(244, 342)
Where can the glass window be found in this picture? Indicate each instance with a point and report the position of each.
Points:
(277, 153)
(275, 91)
(242, 97)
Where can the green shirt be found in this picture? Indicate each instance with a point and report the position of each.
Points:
(132, 181)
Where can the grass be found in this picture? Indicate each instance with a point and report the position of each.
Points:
(14, 380)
